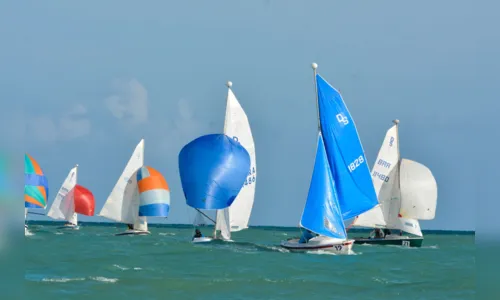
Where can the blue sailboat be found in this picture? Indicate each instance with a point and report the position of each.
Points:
(213, 169)
(341, 187)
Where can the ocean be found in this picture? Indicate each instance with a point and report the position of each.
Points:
(92, 263)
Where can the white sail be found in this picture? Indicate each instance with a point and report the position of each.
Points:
(222, 223)
(236, 125)
(122, 204)
(418, 191)
(199, 220)
(383, 181)
(64, 198)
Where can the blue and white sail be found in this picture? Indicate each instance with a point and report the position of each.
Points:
(213, 169)
(345, 153)
(322, 213)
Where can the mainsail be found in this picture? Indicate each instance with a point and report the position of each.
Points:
(345, 153)
(236, 125)
(55, 212)
(122, 204)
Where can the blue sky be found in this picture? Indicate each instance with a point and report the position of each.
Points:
(84, 82)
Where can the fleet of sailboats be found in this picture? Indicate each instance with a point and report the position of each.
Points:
(218, 173)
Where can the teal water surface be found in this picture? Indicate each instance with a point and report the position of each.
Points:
(92, 263)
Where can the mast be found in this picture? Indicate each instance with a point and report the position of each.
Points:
(396, 122)
(314, 67)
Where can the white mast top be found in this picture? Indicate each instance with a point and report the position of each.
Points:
(229, 84)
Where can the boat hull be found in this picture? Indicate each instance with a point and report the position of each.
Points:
(404, 241)
(208, 239)
(134, 232)
(319, 243)
(69, 227)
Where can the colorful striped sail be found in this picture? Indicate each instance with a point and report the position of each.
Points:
(154, 194)
(36, 187)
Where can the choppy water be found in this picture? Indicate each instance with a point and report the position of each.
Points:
(92, 263)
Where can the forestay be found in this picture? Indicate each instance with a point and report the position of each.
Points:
(122, 204)
(237, 126)
(345, 153)
(322, 213)
(418, 191)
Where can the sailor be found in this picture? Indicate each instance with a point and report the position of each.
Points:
(377, 234)
(197, 233)
(387, 232)
(306, 236)
(130, 226)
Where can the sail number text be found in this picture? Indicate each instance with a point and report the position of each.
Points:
(356, 163)
(381, 176)
(338, 247)
(251, 177)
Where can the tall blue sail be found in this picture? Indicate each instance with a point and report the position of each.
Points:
(322, 213)
(213, 169)
(345, 153)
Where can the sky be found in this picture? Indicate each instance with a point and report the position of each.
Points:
(83, 82)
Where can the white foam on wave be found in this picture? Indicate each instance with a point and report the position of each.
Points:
(62, 279)
(104, 279)
(166, 233)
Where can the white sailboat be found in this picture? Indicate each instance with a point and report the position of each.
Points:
(236, 217)
(55, 211)
(340, 187)
(122, 204)
(406, 191)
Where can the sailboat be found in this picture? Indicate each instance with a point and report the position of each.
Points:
(407, 192)
(140, 192)
(213, 169)
(72, 199)
(36, 187)
(341, 186)
(236, 125)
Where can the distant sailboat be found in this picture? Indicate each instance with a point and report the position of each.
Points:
(36, 187)
(236, 125)
(340, 187)
(407, 192)
(71, 200)
(140, 192)
(213, 169)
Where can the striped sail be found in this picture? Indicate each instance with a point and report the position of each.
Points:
(36, 187)
(154, 194)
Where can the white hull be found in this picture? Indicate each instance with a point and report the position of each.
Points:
(322, 243)
(208, 239)
(26, 231)
(134, 232)
(69, 227)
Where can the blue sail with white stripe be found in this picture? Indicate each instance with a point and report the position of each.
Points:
(322, 213)
(345, 153)
(213, 169)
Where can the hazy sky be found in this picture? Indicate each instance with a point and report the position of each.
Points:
(84, 82)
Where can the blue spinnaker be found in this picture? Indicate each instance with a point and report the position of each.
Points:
(322, 213)
(213, 169)
(345, 153)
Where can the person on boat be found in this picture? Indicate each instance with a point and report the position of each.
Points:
(377, 234)
(401, 233)
(306, 236)
(130, 226)
(387, 232)
(197, 234)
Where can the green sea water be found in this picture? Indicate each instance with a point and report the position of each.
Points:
(92, 263)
